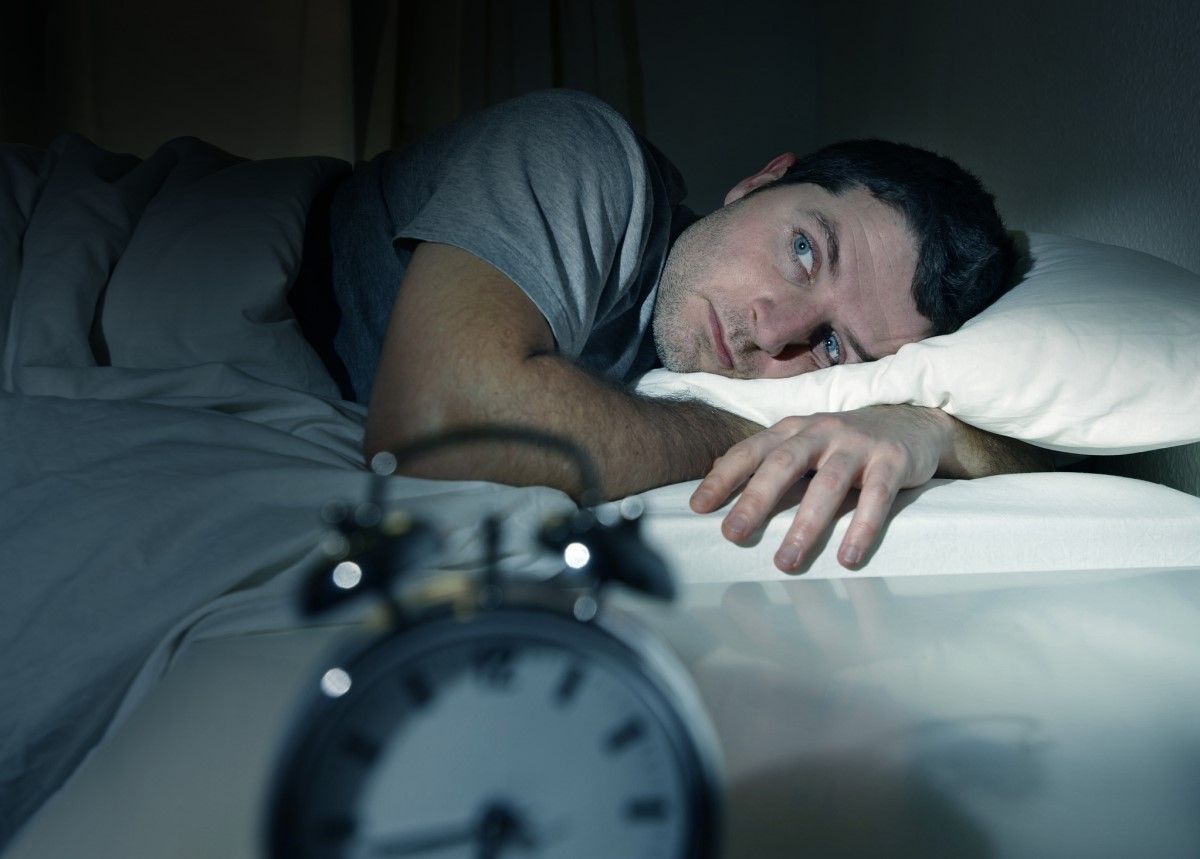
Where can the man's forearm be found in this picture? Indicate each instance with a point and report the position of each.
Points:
(635, 443)
(978, 453)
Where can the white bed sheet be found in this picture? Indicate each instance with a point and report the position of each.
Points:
(1007, 523)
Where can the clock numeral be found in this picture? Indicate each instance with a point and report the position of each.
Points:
(624, 735)
(418, 687)
(494, 667)
(646, 809)
(565, 692)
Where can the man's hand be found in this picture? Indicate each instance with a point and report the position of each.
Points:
(878, 450)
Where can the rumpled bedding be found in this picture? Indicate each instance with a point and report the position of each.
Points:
(169, 435)
(113, 487)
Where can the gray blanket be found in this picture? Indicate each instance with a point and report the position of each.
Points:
(151, 368)
(169, 435)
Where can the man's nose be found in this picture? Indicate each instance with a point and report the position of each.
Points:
(776, 325)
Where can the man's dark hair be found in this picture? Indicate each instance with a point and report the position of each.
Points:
(965, 256)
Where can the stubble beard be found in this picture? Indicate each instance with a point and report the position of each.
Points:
(679, 346)
(669, 331)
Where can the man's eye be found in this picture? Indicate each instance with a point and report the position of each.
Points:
(833, 348)
(803, 250)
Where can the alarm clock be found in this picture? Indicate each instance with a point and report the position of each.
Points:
(493, 717)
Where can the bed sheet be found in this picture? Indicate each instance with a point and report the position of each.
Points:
(127, 524)
(1006, 523)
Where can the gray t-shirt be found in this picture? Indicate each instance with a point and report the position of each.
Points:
(554, 189)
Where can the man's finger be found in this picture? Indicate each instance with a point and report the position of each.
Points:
(880, 486)
(733, 469)
(780, 470)
(827, 490)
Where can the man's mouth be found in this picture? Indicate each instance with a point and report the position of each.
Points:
(718, 337)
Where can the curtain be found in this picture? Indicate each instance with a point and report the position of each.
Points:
(22, 71)
(260, 78)
(419, 65)
(269, 78)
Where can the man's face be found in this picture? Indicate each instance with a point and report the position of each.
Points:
(789, 280)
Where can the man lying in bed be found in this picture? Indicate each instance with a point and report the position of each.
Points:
(523, 265)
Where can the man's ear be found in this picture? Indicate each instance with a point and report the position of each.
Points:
(776, 168)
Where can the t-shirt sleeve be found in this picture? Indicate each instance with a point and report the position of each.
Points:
(552, 189)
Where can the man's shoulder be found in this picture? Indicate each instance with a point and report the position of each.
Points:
(566, 105)
(593, 137)
(584, 126)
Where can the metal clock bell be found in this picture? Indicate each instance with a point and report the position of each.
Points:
(495, 718)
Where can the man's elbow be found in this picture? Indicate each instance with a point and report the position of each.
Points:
(394, 426)
(420, 438)
(410, 457)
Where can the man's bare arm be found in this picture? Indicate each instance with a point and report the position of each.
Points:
(467, 348)
(978, 453)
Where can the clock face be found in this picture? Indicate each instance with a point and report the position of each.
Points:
(517, 733)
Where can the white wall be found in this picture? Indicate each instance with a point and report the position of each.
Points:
(1083, 118)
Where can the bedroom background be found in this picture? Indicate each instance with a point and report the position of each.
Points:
(1083, 118)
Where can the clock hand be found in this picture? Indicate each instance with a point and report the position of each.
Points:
(498, 828)
(416, 843)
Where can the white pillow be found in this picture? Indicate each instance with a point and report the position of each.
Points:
(1096, 350)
